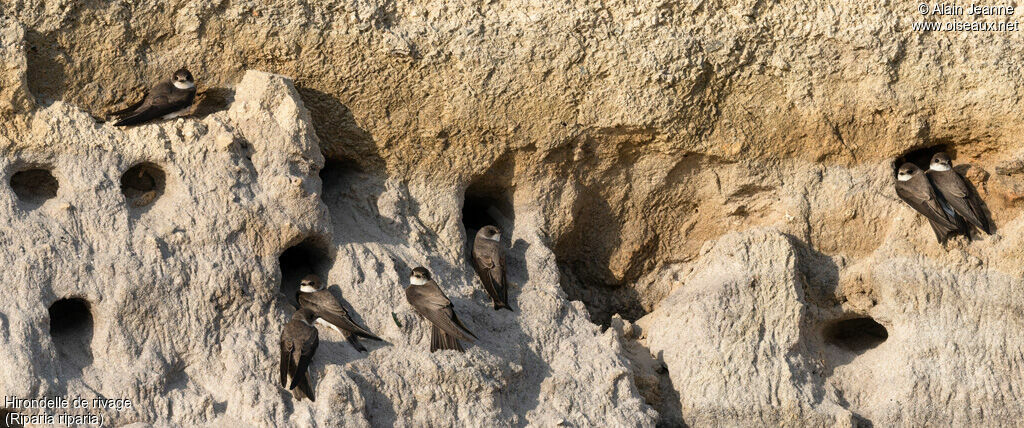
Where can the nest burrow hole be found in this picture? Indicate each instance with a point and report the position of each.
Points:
(35, 185)
(310, 256)
(71, 329)
(856, 334)
(143, 184)
(485, 206)
(335, 171)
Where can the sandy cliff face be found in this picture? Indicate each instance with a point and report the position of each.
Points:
(721, 174)
(174, 299)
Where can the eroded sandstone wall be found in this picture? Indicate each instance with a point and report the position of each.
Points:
(623, 107)
(178, 298)
(621, 142)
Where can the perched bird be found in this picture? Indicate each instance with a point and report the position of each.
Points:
(429, 301)
(299, 341)
(489, 263)
(314, 296)
(913, 187)
(956, 193)
(167, 100)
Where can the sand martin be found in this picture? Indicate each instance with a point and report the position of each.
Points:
(298, 344)
(489, 263)
(913, 187)
(954, 190)
(429, 301)
(314, 296)
(167, 100)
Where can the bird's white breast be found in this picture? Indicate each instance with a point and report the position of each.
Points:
(939, 167)
(184, 85)
(417, 281)
(173, 115)
(903, 177)
(324, 323)
(307, 289)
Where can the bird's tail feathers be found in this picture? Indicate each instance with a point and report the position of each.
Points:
(354, 341)
(302, 390)
(439, 340)
(367, 335)
(130, 120)
(127, 110)
(467, 335)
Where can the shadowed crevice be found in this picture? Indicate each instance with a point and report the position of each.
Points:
(310, 256)
(213, 100)
(340, 135)
(584, 255)
(34, 185)
(488, 199)
(143, 184)
(337, 173)
(482, 209)
(856, 334)
(71, 329)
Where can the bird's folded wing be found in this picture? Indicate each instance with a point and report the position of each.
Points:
(157, 108)
(329, 309)
(341, 319)
(442, 318)
(498, 276)
(951, 184)
(431, 295)
(961, 198)
(926, 204)
(458, 322)
(308, 349)
(485, 269)
(285, 356)
(130, 108)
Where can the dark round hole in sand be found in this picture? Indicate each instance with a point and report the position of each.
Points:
(34, 186)
(480, 211)
(487, 205)
(337, 170)
(312, 255)
(69, 316)
(143, 183)
(71, 327)
(856, 334)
